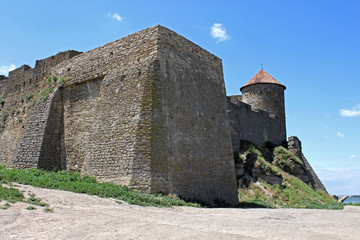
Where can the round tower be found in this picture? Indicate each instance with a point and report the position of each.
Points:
(265, 93)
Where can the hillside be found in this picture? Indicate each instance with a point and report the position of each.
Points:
(274, 177)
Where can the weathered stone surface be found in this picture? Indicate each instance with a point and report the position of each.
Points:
(295, 147)
(192, 144)
(19, 91)
(258, 115)
(39, 146)
(255, 126)
(147, 111)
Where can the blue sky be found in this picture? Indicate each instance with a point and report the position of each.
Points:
(312, 47)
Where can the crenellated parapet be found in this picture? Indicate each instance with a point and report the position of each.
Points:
(20, 93)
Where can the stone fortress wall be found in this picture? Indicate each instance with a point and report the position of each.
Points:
(253, 125)
(131, 112)
(18, 91)
(148, 111)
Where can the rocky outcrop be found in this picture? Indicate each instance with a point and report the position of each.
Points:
(294, 145)
(269, 163)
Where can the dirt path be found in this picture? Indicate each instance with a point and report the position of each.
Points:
(79, 216)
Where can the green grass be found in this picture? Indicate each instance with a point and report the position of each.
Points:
(31, 208)
(292, 193)
(48, 210)
(285, 159)
(5, 206)
(36, 201)
(62, 80)
(353, 204)
(263, 158)
(2, 101)
(11, 195)
(73, 182)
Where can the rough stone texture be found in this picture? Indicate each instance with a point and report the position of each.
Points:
(148, 111)
(295, 147)
(19, 91)
(258, 115)
(39, 146)
(266, 97)
(192, 141)
(255, 126)
(107, 110)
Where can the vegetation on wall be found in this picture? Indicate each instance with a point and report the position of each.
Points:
(30, 100)
(2, 101)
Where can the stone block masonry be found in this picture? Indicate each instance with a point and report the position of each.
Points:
(18, 91)
(191, 144)
(255, 126)
(147, 111)
(39, 146)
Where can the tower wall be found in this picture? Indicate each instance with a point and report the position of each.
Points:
(266, 97)
(269, 98)
(255, 126)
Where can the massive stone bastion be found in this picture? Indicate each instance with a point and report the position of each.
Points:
(148, 111)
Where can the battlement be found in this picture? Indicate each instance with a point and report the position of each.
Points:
(236, 99)
(47, 63)
(19, 71)
(25, 79)
(41, 66)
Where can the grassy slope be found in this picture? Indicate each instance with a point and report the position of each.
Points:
(73, 182)
(292, 193)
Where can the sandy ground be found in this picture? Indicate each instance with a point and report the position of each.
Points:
(79, 216)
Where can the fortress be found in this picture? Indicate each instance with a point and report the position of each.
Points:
(148, 111)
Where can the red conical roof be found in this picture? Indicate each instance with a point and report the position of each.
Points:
(262, 77)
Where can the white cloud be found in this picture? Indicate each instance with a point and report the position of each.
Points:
(354, 111)
(218, 31)
(340, 180)
(116, 16)
(4, 69)
(340, 134)
(352, 156)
